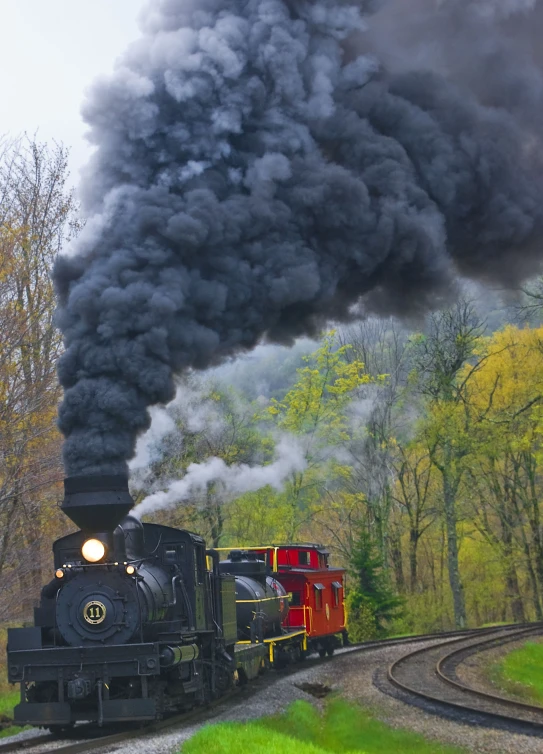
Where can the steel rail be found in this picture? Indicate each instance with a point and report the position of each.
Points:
(461, 633)
(455, 683)
(534, 726)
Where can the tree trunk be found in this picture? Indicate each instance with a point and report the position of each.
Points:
(414, 536)
(535, 523)
(533, 578)
(530, 569)
(214, 517)
(511, 580)
(397, 563)
(449, 498)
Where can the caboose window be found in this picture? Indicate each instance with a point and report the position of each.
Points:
(303, 558)
(296, 599)
(336, 586)
(319, 589)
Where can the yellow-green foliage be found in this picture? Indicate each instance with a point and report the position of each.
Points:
(316, 407)
(324, 388)
(343, 729)
(483, 570)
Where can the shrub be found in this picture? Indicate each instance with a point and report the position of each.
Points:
(361, 621)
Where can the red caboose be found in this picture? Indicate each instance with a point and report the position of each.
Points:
(315, 589)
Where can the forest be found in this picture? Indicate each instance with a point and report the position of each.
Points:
(412, 450)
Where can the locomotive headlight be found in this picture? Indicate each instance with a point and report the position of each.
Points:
(93, 550)
(130, 570)
(59, 573)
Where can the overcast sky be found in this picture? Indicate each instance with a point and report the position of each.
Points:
(50, 51)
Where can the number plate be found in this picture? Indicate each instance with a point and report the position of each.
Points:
(94, 612)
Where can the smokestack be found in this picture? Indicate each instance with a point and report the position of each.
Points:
(97, 503)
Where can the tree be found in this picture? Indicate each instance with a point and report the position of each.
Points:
(440, 355)
(371, 602)
(415, 496)
(315, 409)
(506, 394)
(38, 214)
(383, 347)
(210, 421)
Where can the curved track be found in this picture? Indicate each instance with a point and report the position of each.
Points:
(87, 740)
(429, 675)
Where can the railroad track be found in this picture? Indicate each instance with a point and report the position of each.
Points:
(45, 742)
(428, 675)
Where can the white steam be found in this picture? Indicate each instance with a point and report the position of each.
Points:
(234, 480)
(148, 445)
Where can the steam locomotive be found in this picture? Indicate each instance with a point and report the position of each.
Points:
(141, 620)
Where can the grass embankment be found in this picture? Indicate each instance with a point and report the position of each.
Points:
(343, 727)
(521, 672)
(8, 700)
(9, 695)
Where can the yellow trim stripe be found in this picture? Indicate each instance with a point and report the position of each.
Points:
(263, 599)
(275, 639)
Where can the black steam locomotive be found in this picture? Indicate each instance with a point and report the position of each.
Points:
(139, 620)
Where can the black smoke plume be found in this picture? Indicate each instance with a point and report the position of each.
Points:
(258, 170)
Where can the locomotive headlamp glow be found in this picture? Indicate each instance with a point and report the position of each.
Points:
(130, 570)
(93, 550)
(59, 573)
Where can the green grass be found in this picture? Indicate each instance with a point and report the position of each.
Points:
(8, 700)
(521, 672)
(12, 730)
(343, 728)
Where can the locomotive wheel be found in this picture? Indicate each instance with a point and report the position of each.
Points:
(330, 650)
(322, 652)
(224, 679)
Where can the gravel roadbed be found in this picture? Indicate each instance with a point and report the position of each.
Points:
(249, 706)
(355, 682)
